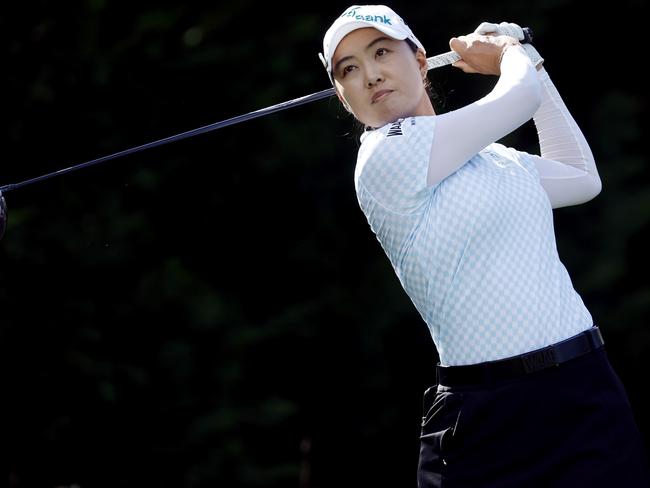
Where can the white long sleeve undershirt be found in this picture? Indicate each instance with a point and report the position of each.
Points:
(566, 166)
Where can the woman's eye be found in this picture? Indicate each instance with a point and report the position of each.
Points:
(382, 51)
(347, 69)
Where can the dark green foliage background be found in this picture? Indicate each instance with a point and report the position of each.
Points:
(216, 312)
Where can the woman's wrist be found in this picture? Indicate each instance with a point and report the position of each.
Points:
(506, 48)
(509, 51)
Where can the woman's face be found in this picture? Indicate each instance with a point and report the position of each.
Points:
(380, 79)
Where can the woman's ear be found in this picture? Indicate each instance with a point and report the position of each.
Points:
(421, 58)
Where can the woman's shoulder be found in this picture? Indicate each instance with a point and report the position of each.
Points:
(497, 151)
(511, 155)
(396, 149)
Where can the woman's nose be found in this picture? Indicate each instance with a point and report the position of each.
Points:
(374, 79)
(374, 75)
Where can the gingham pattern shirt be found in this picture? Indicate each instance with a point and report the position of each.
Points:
(476, 252)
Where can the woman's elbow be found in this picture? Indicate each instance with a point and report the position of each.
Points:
(596, 186)
(577, 193)
(591, 189)
(594, 182)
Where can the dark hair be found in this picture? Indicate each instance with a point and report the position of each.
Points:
(433, 94)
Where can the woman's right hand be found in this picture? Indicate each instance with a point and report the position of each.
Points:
(481, 53)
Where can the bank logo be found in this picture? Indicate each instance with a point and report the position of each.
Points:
(380, 19)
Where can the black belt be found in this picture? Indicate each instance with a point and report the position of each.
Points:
(517, 366)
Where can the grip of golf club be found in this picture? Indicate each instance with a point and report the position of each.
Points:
(452, 56)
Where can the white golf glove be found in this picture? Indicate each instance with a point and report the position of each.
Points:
(513, 30)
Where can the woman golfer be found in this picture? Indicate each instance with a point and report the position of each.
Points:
(526, 395)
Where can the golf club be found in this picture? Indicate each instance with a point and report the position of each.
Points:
(432, 63)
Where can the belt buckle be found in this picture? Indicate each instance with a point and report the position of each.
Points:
(542, 359)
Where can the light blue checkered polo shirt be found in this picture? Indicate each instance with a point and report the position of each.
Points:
(476, 253)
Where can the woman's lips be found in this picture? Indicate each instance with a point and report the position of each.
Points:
(380, 95)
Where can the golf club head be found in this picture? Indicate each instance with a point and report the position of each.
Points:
(3, 215)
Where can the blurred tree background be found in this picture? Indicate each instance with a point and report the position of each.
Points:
(216, 312)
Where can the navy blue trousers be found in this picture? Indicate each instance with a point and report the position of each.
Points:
(567, 426)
